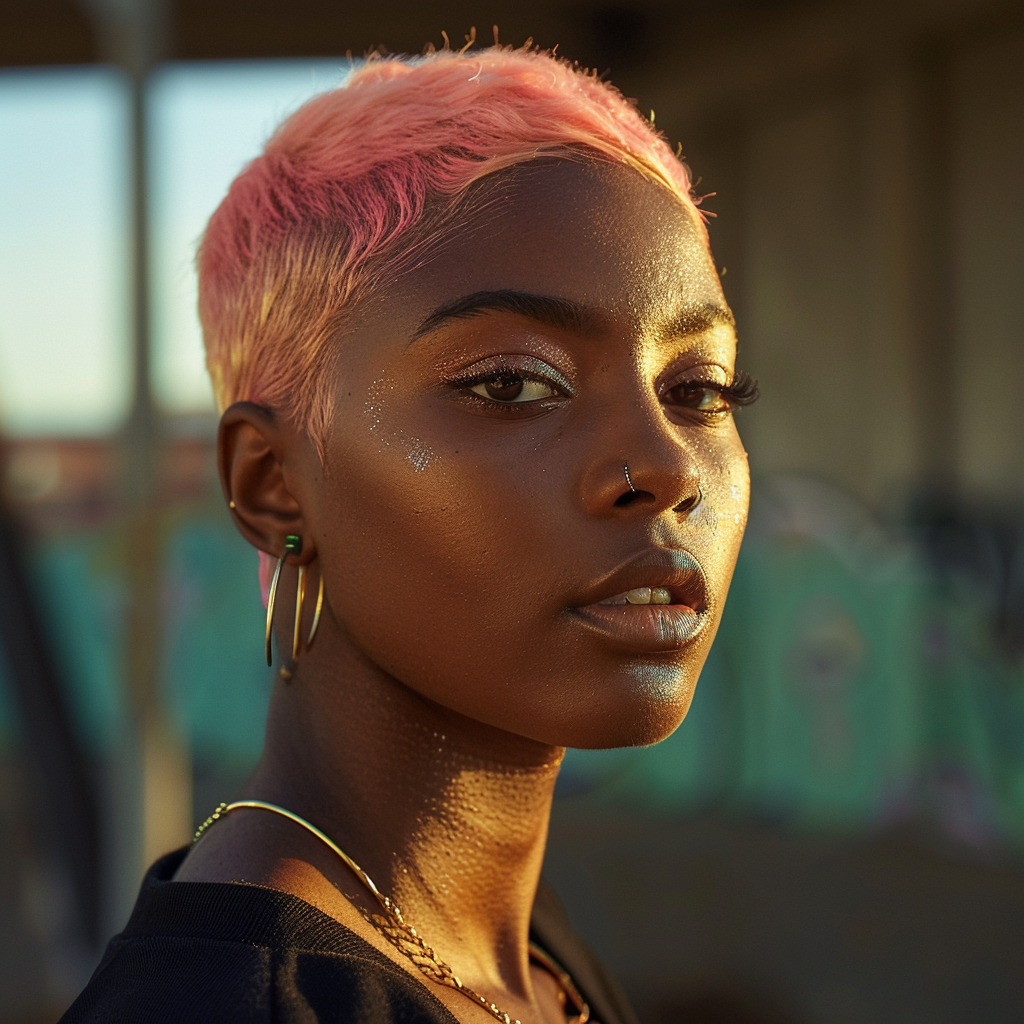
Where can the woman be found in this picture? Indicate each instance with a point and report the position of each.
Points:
(477, 374)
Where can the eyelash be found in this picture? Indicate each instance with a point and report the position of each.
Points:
(508, 370)
(742, 391)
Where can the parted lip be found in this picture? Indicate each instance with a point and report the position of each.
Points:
(673, 569)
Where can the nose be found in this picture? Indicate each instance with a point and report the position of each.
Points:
(642, 465)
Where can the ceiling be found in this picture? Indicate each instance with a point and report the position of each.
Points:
(46, 32)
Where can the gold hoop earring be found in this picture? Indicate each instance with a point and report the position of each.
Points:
(300, 600)
(292, 546)
(316, 613)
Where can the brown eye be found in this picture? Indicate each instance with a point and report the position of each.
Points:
(512, 389)
(504, 389)
(699, 396)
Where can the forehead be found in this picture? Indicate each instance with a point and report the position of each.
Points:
(598, 234)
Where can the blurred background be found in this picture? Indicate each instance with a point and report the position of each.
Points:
(836, 833)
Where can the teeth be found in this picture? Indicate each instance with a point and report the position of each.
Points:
(648, 595)
(642, 595)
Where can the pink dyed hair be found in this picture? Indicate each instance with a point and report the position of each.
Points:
(332, 207)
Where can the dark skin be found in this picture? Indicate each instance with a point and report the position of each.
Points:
(470, 518)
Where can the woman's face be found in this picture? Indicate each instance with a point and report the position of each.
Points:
(478, 536)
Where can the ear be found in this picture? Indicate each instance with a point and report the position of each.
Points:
(252, 450)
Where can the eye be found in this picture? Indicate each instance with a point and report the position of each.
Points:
(516, 383)
(513, 388)
(700, 396)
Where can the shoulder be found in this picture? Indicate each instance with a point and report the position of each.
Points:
(194, 953)
(196, 981)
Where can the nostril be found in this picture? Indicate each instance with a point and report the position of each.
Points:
(687, 504)
(632, 497)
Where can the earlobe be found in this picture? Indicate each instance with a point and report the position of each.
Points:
(252, 450)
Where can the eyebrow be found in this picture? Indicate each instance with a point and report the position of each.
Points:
(696, 318)
(565, 314)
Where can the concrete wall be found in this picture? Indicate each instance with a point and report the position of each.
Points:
(871, 219)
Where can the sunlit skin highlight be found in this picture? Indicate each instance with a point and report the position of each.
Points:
(455, 661)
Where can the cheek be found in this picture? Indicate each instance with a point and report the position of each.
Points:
(389, 438)
(428, 544)
(736, 503)
(721, 517)
(438, 578)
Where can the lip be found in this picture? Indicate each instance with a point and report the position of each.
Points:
(650, 628)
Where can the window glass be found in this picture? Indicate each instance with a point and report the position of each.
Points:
(63, 251)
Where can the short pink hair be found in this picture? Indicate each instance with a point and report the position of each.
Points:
(337, 200)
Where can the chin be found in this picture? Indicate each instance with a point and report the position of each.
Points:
(642, 708)
(638, 731)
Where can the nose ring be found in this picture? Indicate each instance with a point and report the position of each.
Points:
(625, 469)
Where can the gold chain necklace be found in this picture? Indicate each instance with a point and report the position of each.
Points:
(392, 925)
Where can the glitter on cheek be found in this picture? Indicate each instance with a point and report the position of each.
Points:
(739, 497)
(372, 407)
(417, 452)
(419, 455)
(373, 413)
(707, 517)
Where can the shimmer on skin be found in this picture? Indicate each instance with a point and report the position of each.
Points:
(455, 660)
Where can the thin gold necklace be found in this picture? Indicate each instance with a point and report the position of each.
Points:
(392, 925)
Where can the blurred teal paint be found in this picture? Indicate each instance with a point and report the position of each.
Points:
(82, 592)
(218, 680)
(836, 696)
(829, 717)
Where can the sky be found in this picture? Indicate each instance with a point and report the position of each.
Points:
(64, 314)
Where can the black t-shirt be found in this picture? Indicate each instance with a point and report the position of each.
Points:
(231, 953)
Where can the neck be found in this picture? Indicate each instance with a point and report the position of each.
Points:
(448, 816)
